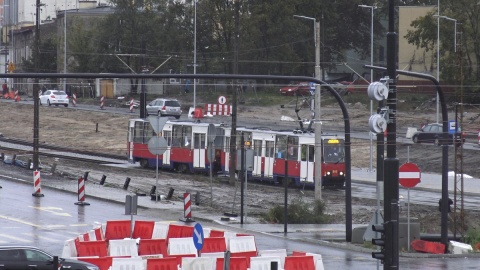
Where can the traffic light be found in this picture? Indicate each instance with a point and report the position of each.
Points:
(379, 228)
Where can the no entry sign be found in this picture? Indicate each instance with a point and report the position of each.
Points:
(409, 175)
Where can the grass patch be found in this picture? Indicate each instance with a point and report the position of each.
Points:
(299, 212)
(472, 237)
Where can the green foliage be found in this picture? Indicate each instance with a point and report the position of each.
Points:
(299, 212)
(472, 237)
(48, 58)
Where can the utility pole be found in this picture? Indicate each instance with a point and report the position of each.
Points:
(36, 110)
(233, 133)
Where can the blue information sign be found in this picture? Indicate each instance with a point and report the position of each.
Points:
(198, 236)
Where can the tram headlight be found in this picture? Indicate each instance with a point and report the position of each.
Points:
(329, 173)
(341, 173)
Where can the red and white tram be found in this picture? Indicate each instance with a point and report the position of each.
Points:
(274, 152)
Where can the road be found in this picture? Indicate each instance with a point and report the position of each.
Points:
(48, 221)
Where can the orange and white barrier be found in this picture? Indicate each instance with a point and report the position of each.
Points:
(17, 96)
(131, 105)
(102, 102)
(218, 109)
(187, 206)
(123, 247)
(74, 99)
(81, 192)
(37, 184)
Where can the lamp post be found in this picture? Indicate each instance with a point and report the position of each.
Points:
(318, 126)
(195, 54)
(455, 37)
(65, 46)
(371, 78)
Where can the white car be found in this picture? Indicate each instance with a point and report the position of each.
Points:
(54, 97)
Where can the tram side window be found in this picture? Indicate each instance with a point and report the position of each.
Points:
(292, 148)
(257, 147)
(269, 149)
(226, 147)
(168, 137)
(199, 141)
(138, 133)
(187, 137)
(281, 146)
(177, 136)
(148, 132)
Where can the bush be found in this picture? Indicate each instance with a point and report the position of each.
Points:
(472, 237)
(299, 212)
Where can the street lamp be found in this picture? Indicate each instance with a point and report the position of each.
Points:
(371, 79)
(318, 125)
(195, 54)
(455, 23)
(438, 47)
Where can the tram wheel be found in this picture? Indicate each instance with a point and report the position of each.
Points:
(144, 163)
(182, 168)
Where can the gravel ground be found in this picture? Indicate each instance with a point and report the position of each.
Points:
(97, 131)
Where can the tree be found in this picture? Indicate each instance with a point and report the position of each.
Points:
(466, 12)
(48, 57)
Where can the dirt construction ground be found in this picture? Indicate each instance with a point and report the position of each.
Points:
(106, 132)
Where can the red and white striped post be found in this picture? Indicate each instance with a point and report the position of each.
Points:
(37, 184)
(131, 105)
(187, 207)
(81, 192)
(74, 99)
(102, 102)
(16, 98)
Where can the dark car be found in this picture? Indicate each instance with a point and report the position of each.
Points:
(27, 257)
(432, 133)
(300, 89)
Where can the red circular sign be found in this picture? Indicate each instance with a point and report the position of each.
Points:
(409, 175)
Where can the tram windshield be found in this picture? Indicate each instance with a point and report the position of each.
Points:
(333, 150)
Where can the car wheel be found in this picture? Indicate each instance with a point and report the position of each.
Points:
(66, 105)
(177, 117)
(48, 102)
(437, 142)
(56, 105)
(160, 114)
(415, 139)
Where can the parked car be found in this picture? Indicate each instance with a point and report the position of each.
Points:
(300, 89)
(434, 133)
(164, 107)
(54, 97)
(27, 257)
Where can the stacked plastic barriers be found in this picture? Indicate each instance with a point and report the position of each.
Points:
(163, 246)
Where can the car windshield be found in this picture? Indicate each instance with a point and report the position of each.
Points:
(172, 103)
(58, 93)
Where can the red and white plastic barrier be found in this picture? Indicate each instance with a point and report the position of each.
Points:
(131, 105)
(102, 102)
(37, 184)
(218, 109)
(187, 206)
(74, 100)
(81, 192)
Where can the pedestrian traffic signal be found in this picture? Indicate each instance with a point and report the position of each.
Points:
(379, 255)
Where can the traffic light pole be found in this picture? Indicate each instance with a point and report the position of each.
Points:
(391, 163)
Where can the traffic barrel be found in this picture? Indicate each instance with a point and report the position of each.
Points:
(131, 105)
(81, 192)
(74, 99)
(102, 102)
(37, 184)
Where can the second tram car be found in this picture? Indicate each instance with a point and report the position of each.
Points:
(275, 153)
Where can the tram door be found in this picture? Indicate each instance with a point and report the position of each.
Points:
(257, 158)
(167, 134)
(269, 158)
(226, 150)
(307, 162)
(199, 151)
